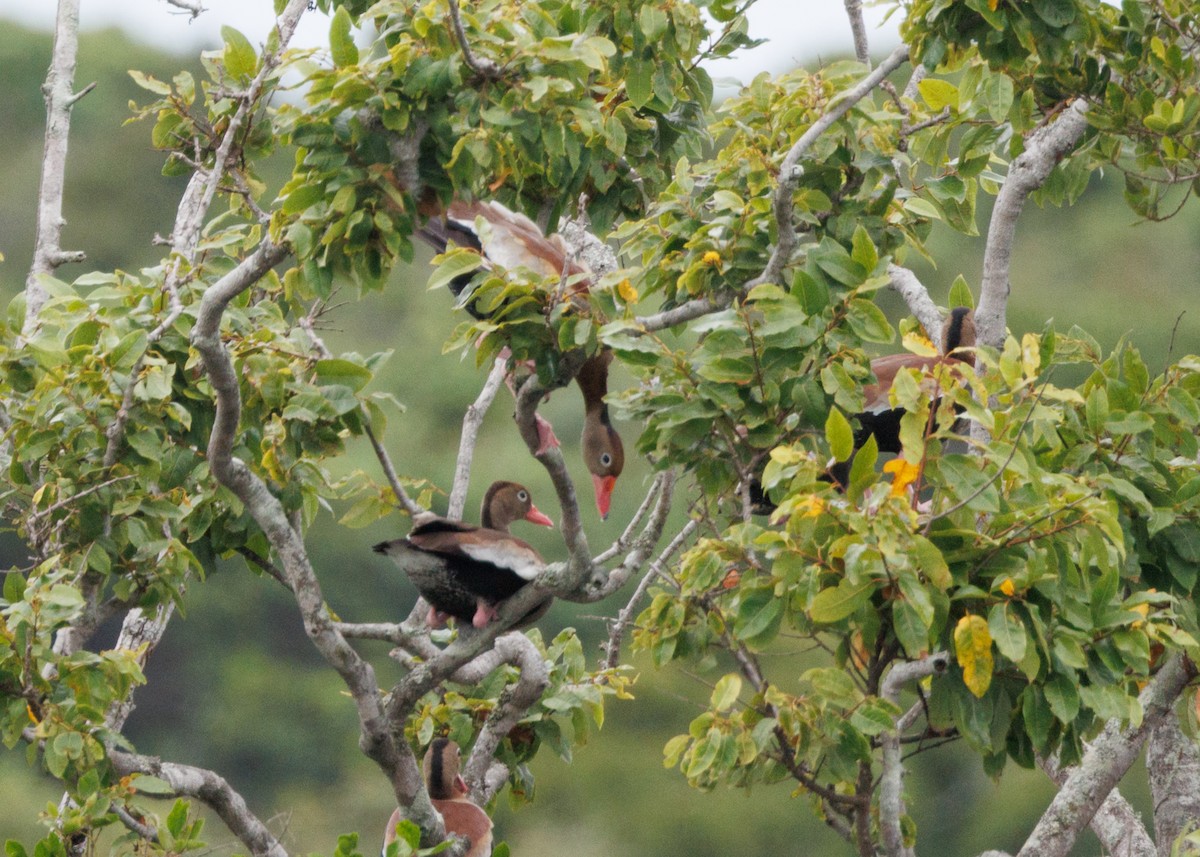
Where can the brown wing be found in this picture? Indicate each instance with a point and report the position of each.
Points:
(455, 540)
(514, 240)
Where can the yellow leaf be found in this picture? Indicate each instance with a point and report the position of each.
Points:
(627, 292)
(919, 344)
(992, 4)
(1008, 587)
(904, 473)
(973, 647)
(711, 257)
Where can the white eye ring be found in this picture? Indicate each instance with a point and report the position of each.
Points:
(605, 459)
(522, 496)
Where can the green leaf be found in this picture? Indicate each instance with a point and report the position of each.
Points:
(454, 264)
(339, 371)
(1008, 632)
(149, 83)
(341, 42)
(149, 785)
(868, 321)
(960, 294)
(839, 435)
(759, 617)
(837, 602)
(240, 59)
(639, 83)
(653, 22)
(1063, 698)
(725, 694)
(863, 250)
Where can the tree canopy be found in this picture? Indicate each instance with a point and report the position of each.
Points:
(1018, 579)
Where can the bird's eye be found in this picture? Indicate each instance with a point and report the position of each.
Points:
(522, 496)
(605, 459)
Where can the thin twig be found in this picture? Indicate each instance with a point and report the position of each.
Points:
(472, 420)
(483, 67)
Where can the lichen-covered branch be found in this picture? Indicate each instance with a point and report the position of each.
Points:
(1115, 823)
(212, 790)
(533, 678)
(47, 251)
(1107, 759)
(1043, 150)
(1173, 764)
(858, 28)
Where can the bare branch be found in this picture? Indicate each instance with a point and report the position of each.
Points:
(1044, 149)
(1107, 759)
(47, 254)
(202, 186)
(916, 296)
(623, 541)
(393, 756)
(191, 6)
(1115, 823)
(613, 647)
(790, 170)
(518, 698)
(680, 314)
(599, 585)
(891, 782)
(859, 28)
(484, 67)
(472, 420)
(211, 789)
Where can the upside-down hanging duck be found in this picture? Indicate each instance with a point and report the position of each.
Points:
(512, 240)
(464, 571)
(448, 793)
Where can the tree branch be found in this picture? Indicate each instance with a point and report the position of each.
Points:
(472, 420)
(891, 782)
(859, 28)
(485, 68)
(1173, 763)
(47, 254)
(1115, 823)
(532, 680)
(1044, 149)
(920, 304)
(1107, 759)
(612, 648)
(790, 170)
(211, 789)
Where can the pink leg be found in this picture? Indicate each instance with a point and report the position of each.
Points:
(546, 438)
(484, 613)
(436, 618)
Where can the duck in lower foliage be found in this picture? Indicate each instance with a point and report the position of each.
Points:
(513, 240)
(464, 570)
(879, 418)
(448, 793)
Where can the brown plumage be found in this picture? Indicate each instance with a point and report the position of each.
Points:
(448, 793)
(513, 240)
(464, 571)
(603, 452)
(879, 418)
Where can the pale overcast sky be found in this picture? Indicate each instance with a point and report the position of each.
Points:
(799, 30)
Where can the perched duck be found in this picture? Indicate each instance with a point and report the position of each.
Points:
(513, 240)
(464, 571)
(448, 793)
(879, 418)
